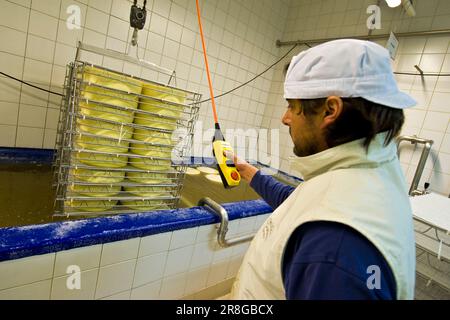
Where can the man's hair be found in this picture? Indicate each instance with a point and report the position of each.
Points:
(359, 119)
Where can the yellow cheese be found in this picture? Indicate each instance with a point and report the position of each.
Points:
(155, 122)
(97, 176)
(105, 129)
(160, 108)
(111, 80)
(110, 97)
(101, 160)
(207, 170)
(140, 205)
(192, 171)
(148, 191)
(99, 111)
(101, 144)
(95, 191)
(164, 93)
(151, 151)
(153, 136)
(91, 205)
(148, 177)
(151, 164)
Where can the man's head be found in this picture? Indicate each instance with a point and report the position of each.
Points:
(341, 91)
(318, 124)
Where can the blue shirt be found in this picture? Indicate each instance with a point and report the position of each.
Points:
(327, 260)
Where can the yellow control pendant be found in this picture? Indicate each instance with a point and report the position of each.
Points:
(227, 169)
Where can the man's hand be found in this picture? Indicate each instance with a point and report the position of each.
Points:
(246, 170)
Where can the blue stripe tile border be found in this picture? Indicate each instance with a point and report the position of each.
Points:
(21, 242)
(26, 155)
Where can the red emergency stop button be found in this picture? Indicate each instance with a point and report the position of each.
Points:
(235, 175)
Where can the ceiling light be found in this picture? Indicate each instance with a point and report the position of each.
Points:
(393, 3)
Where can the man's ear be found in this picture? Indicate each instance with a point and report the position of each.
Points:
(332, 110)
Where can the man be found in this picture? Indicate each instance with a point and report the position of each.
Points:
(346, 232)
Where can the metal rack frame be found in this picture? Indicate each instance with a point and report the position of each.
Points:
(83, 117)
(414, 190)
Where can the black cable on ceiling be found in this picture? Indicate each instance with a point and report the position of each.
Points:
(257, 76)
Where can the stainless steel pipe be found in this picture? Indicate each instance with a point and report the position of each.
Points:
(414, 191)
(220, 211)
(280, 43)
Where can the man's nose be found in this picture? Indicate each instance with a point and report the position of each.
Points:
(286, 120)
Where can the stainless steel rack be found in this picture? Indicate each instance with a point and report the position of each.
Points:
(117, 145)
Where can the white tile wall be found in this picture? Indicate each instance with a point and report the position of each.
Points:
(197, 280)
(173, 287)
(115, 278)
(146, 292)
(202, 255)
(87, 287)
(139, 268)
(86, 258)
(125, 295)
(119, 251)
(154, 244)
(37, 44)
(35, 291)
(178, 260)
(183, 238)
(25, 271)
(149, 269)
(217, 272)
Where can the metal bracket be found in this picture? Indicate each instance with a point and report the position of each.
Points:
(414, 190)
(419, 69)
(124, 57)
(220, 211)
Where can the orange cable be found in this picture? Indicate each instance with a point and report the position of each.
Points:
(206, 63)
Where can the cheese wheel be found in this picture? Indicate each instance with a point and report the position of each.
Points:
(150, 164)
(101, 144)
(97, 176)
(105, 129)
(148, 177)
(155, 122)
(144, 205)
(99, 111)
(192, 171)
(91, 205)
(144, 191)
(101, 160)
(107, 96)
(153, 136)
(95, 191)
(111, 79)
(151, 151)
(160, 108)
(214, 178)
(164, 93)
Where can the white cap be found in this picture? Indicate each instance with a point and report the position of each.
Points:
(345, 68)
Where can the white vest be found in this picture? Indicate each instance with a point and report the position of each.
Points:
(366, 191)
